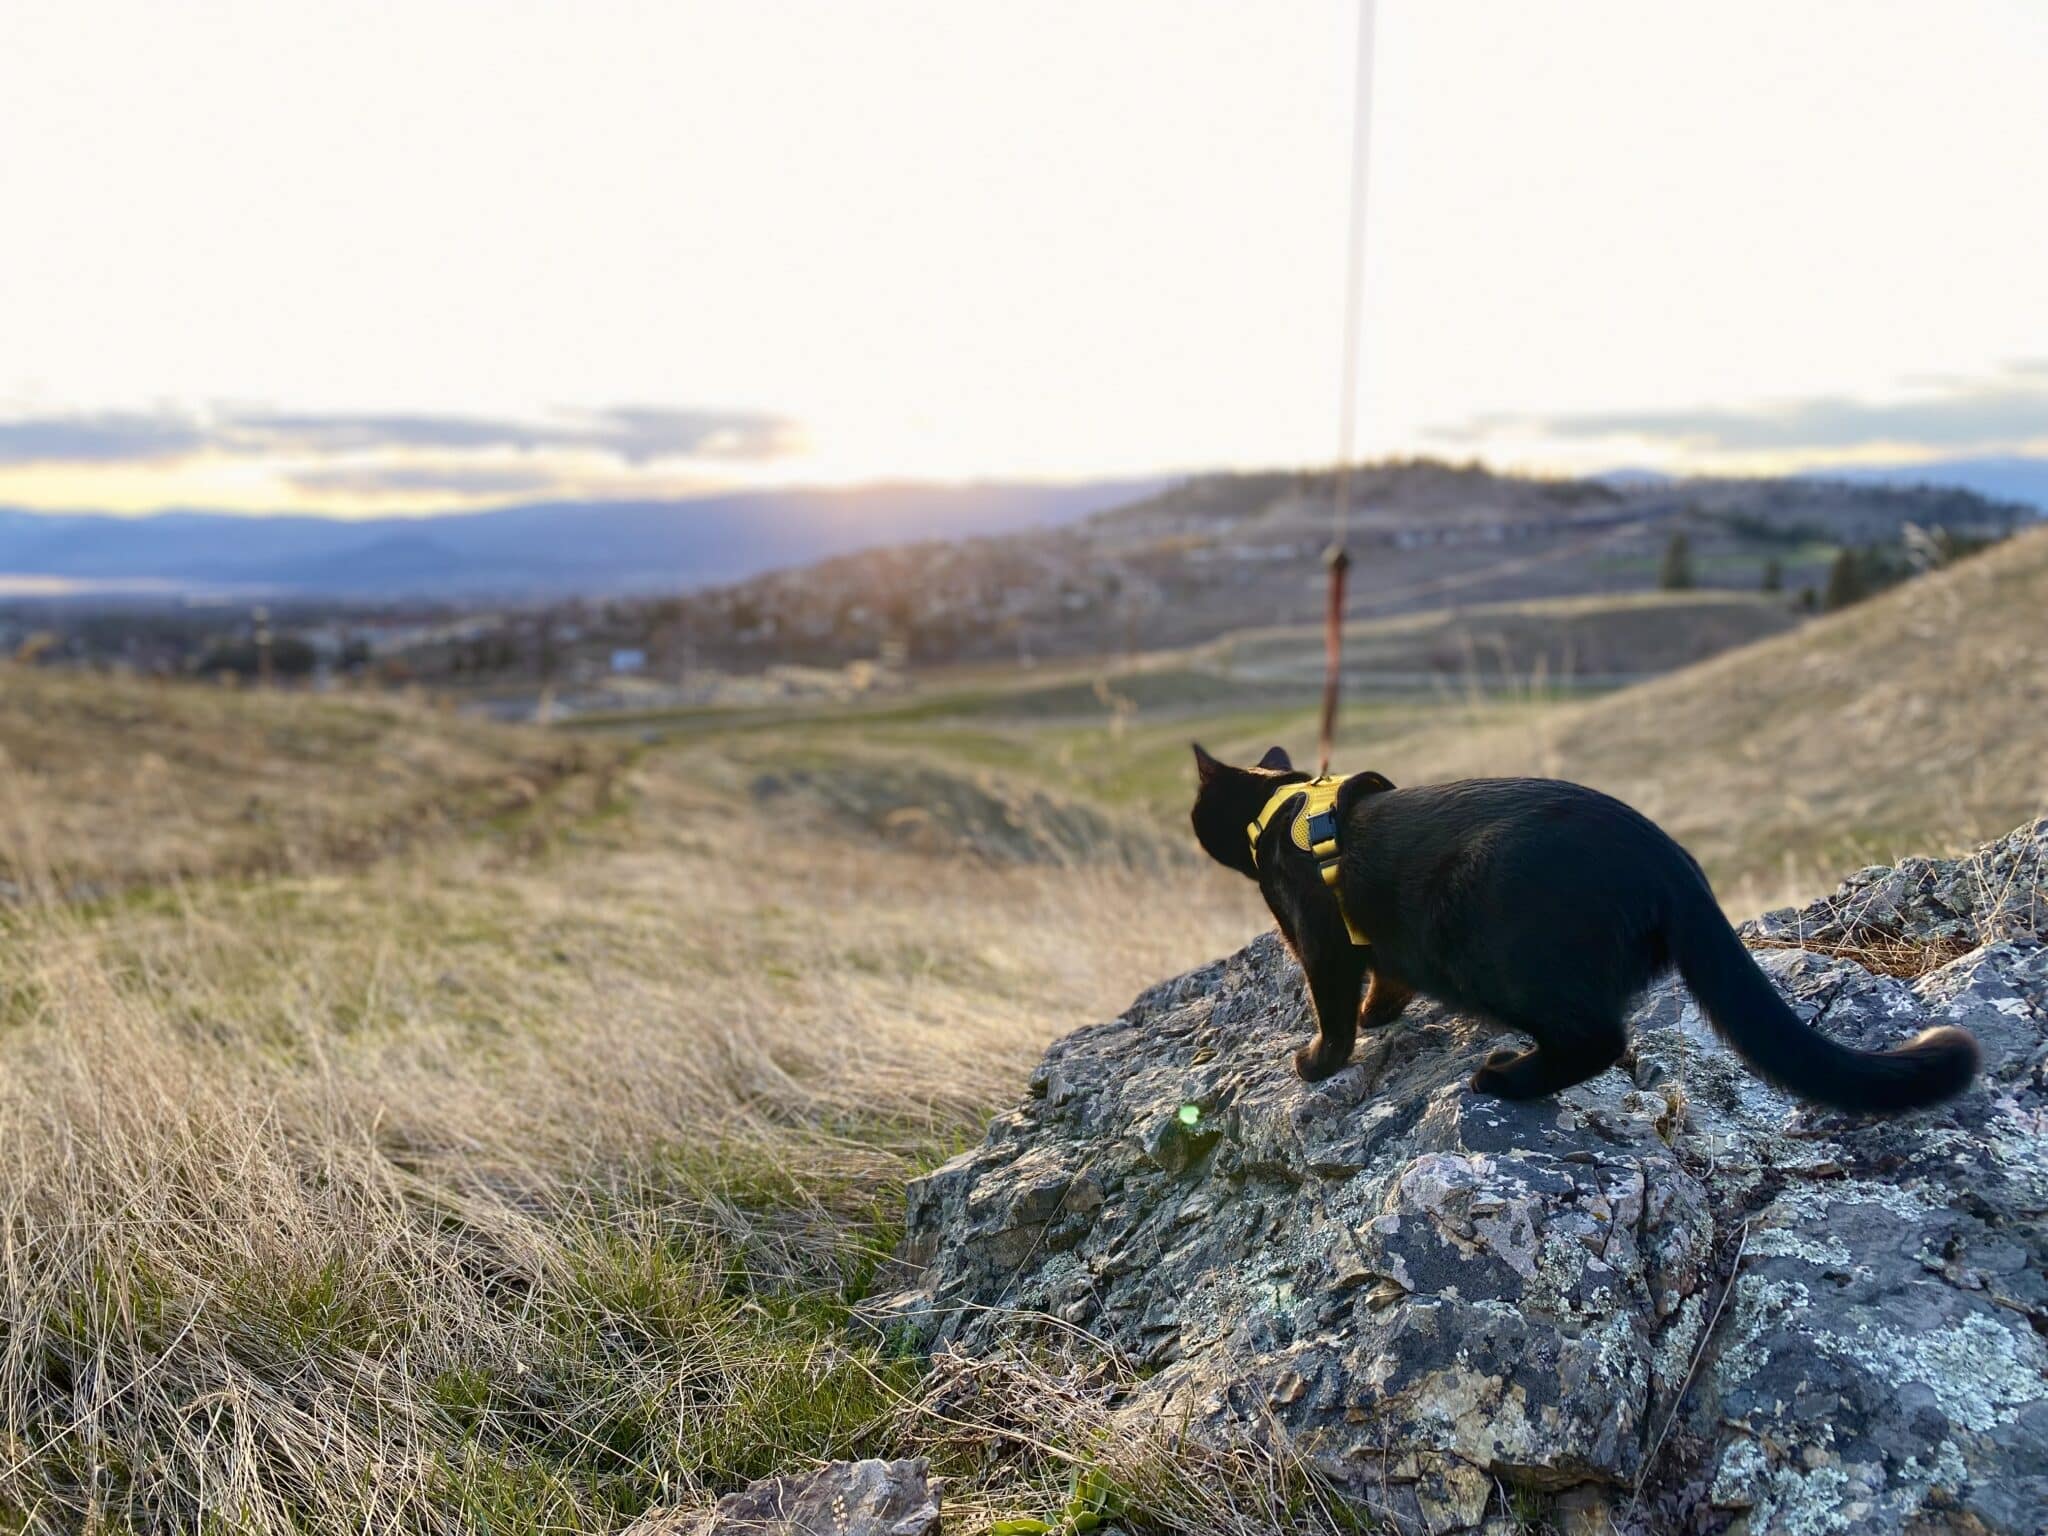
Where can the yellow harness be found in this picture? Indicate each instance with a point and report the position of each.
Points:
(1314, 832)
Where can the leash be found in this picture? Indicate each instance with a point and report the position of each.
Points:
(1336, 558)
(1333, 652)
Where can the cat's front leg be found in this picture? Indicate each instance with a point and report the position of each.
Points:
(1334, 978)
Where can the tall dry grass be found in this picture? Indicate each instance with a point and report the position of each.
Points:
(110, 782)
(484, 1190)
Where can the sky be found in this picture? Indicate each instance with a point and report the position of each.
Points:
(411, 257)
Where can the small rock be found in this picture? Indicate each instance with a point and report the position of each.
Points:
(1584, 1511)
(841, 1498)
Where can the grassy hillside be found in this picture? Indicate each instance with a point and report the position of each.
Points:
(503, 1182)
(1562, 642)
(111, 782)
(1114, 734)
(1913, 723)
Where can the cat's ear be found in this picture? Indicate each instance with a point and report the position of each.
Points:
(1206, 767)
(1375, 781)
(1276, 758)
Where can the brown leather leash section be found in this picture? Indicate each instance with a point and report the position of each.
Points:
(1333, 651)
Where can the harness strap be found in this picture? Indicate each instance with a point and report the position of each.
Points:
(1313, 830)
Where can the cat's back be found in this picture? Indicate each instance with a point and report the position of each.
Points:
(1548, 822)
(1535, 802)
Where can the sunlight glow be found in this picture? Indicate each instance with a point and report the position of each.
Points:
(1059, 240)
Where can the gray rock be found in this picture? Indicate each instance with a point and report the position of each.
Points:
(1999, 892)
(1672, 1298)
(841, 1498)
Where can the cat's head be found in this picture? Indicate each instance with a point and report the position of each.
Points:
(1228, 797)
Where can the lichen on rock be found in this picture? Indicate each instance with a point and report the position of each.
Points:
(1672, 1288)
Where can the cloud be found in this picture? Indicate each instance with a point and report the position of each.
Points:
(634, 433)
(1947, 414)
(371, 481)
(107, 437)
(641, 432)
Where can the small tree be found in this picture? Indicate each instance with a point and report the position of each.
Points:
(1774, 575)
(1845, 582)
(1675, 574)
(1809, 600)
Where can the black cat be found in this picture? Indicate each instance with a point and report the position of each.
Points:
(1542, 906)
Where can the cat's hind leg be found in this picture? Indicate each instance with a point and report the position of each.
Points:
(1564, 1054)
(1385, 999)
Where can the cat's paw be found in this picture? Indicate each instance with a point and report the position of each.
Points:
(1310, 1067)
(1492, 1076)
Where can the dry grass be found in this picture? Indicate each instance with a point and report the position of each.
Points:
(1882, 954)
(478, 1190)
(111, 782)
(1043, 1438)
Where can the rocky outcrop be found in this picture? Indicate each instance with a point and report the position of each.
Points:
(841, 1498)
(1927, 905)
(1671, 1298)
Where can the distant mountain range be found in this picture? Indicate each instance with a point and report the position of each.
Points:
(1217, 553)
(2013, 477)
(545, 549)
(2008, 477)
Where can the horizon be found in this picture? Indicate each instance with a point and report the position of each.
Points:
(282, 265)
(1939, 474)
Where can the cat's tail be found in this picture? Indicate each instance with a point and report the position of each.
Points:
(1934, 1065)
